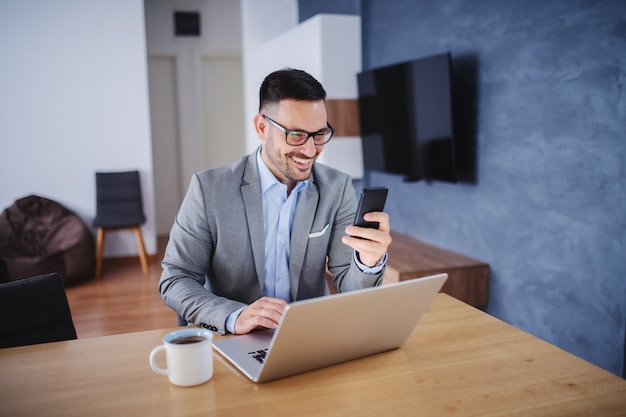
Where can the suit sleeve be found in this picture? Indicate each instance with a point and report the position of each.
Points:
(183, 284)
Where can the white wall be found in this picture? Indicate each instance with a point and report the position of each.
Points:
(73, 100)
(261, 21)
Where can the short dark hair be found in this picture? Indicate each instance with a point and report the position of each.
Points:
(289, 83)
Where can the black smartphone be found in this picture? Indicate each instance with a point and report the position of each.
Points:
(372, 199)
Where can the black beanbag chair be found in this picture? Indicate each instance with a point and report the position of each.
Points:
(40, 236)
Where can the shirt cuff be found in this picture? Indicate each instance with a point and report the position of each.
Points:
(370, 270)
(232, 319)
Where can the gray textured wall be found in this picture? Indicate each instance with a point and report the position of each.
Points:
(545, 102)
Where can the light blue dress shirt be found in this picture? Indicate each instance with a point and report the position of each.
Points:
(278, 212)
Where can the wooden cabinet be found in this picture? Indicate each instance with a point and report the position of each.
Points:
(409, 258)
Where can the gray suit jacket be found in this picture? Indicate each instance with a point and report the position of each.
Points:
(214, 260)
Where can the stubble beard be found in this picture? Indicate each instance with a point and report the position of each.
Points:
(287, 166)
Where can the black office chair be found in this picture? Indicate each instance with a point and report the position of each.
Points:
(35, 310)
(119, 207)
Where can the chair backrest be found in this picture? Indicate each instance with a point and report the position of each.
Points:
(35, 310)
(118, 200)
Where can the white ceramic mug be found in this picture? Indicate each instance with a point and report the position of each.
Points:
(189, 357)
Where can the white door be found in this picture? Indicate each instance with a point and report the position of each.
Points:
(168, 193)
(222, 117)
(221, 114)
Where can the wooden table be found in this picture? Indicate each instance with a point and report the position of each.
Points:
(458, 362)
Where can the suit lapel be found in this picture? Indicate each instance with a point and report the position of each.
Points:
(302, 223)
(251, 192)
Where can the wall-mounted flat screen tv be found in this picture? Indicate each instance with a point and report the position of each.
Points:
(405, 113)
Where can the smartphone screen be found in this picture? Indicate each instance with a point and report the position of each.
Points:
(372, 199)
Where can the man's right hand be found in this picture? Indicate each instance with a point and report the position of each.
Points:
(263, 313)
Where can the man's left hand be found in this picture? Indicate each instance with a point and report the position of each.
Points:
(371, 244)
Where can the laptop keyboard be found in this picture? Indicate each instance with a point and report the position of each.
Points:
(259, 355)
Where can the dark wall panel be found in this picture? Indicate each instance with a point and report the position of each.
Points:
(546, 206)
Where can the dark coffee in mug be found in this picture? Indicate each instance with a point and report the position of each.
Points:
(188, 340)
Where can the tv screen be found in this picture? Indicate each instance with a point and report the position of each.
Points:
(405, 113)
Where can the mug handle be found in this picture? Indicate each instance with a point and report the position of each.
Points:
(153, 365)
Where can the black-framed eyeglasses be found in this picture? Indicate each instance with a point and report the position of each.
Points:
(299, 137)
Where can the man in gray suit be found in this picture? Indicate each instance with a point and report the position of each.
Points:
(252, 236)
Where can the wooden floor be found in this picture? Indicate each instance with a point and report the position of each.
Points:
(123, 300)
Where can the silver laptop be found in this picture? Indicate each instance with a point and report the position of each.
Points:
(332, 329)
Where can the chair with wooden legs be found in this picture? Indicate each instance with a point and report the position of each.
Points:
(119, 207)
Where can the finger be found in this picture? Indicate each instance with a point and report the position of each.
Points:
(276, 305)
(247, 322)
(371, 244)
(364, 233)
(369, 247)
(263, 313)
(245, 325)
(271, 309)
(378, 216)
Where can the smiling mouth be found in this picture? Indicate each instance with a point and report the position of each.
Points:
(301, 161)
